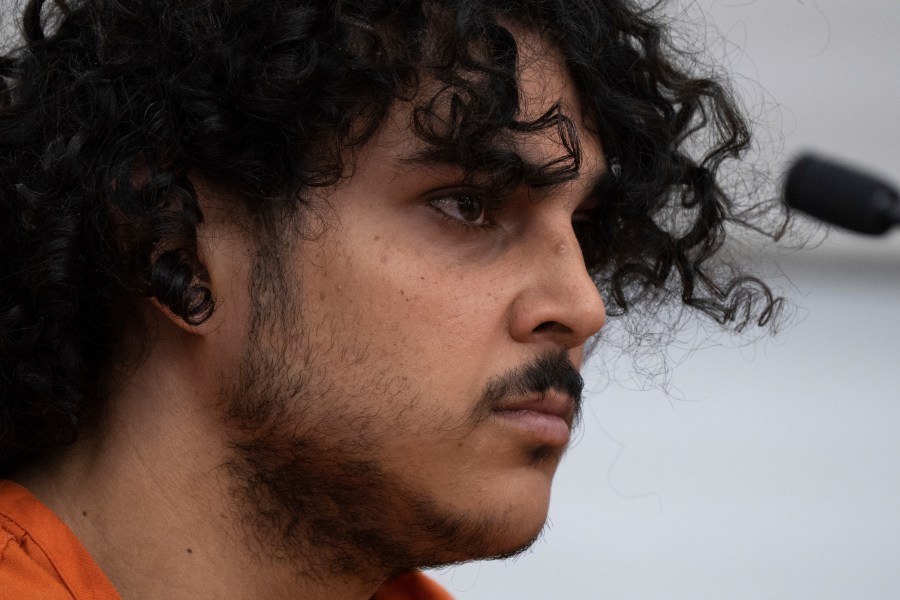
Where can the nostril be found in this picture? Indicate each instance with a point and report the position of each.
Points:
(553, 327)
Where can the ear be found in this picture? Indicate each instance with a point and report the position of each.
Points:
(200, 282)
(171, 318)
(179, 287)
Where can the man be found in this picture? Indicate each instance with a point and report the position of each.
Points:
(296, 293)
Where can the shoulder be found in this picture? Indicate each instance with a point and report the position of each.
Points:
(412, 586)
(40, 558)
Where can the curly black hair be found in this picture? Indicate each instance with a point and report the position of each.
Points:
(109, 109)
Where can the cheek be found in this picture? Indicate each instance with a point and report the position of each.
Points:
(412, 316)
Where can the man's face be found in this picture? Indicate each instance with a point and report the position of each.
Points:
(387, 398)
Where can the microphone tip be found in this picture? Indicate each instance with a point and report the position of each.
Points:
(841, 195)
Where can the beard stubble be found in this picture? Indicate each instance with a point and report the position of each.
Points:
(306, 469)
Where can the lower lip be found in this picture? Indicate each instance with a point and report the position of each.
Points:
(548, 429)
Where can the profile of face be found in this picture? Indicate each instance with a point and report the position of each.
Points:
(403, 392)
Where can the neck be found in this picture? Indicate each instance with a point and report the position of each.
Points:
(148, 495)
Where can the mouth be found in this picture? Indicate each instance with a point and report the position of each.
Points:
(545, 416)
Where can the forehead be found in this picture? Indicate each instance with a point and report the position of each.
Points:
(544, 80)
(547, 99)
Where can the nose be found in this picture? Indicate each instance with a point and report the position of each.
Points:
(558, 301)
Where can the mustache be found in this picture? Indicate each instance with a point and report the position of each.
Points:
(549, 371)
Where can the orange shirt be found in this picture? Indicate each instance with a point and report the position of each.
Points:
(411, 586)
(41, 559)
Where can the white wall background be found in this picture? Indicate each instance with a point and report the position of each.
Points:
(770, 471)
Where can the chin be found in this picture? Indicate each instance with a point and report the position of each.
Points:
(514, 528)
(520, 543)
(512, 543)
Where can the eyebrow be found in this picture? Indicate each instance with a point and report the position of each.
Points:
(435, 157)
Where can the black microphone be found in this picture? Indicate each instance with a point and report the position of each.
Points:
(842, 195)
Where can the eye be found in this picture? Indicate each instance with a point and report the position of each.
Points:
(468, 210)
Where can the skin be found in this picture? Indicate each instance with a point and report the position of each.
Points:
(399, 313)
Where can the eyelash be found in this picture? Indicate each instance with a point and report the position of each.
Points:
(488, 207)
(580, 220)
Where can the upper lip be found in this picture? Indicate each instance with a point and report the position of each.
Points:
(550, 402)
